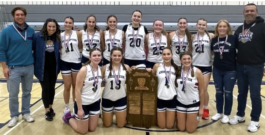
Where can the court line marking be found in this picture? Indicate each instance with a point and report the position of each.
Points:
(147, 131)
(166, 130)
(7, 132)
(250, 107)
(3, 99)
(3, 80)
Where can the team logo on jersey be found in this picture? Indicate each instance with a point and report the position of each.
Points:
(49, 46)
(177, 43)
(119, 76)
(94, 40)
(222, 42)
(93, 78)
(162, 43)
(135, 35)
(245, 38)
(162, 72)
(111, 40)
(66, 40)
(206, 41)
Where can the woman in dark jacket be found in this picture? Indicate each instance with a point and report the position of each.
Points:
(46, 46)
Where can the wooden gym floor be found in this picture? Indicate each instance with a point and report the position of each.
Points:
(57, 127)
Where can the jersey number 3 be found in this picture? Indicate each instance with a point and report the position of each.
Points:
(89, 47)
(178, 49)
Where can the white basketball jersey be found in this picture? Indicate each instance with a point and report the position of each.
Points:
(165, 93)
(110, 92)
(177, 48)
(109, 43)
(134, 49)
(202, 59)
(95, 42)
(155, 49)
(88, 96)
(70, 51)
(191, 94)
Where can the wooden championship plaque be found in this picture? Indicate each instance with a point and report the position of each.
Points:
(141, 98)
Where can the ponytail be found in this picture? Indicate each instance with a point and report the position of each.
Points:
(192, 71)
(96, 28)
(107, 27)
(177, 72)
(88, 62)
(188, 34)
(164, 32)
(208, 36)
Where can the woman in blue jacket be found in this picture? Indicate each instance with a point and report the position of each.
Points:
(46, 46)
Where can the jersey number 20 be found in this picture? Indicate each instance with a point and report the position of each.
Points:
(136, 43)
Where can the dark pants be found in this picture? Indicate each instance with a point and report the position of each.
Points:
(49, 80)
(249, 76)
(131, 63)
(149, 64)
(84, 60)
(224, 82)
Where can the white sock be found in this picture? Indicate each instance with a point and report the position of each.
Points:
(206, 107)
(66, 105)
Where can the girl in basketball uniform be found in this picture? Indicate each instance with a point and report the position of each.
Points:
(114, 94)
(46, 46)
(166, 72)
(190, 94)
(87, 94)
(134, 40)
(155, 42)
(90, 37)
(224, 69)
(202, 59)
(70, 59)
(180, 40)
(112, 37)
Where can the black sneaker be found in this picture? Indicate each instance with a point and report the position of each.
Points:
(52, 112)
(48, 116)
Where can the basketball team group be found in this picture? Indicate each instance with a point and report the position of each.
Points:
(183, 63)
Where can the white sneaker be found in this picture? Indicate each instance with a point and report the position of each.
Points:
(27, 117)
(12, 122)
(236, 119)
(217, 116)
(225, 119)
(253, 126)
(66, 110)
